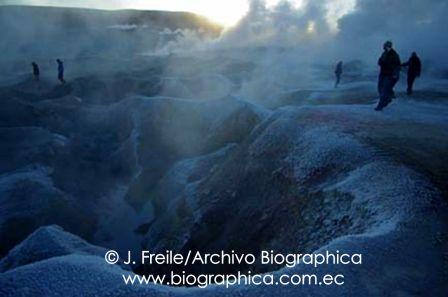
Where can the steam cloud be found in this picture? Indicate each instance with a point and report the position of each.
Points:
(281, 41)
(414, 25)
(345, 29)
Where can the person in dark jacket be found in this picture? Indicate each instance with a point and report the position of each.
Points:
(36, 71)
(390, 64)
(60, 71)
(414, 70)
(338, 73)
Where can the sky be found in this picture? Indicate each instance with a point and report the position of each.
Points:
(226, 12)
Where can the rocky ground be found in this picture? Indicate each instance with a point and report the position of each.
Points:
(144, 157)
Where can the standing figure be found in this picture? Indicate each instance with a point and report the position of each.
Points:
(60, 71)
(414, 70)
(36, 71)
(338, 73)
(389, 63)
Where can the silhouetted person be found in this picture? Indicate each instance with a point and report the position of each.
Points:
(36, 71)
(338, 73)
(389, 63)
(414, 70)
(60, 71)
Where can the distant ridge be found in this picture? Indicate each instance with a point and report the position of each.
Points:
(169, 19)
(40, 32)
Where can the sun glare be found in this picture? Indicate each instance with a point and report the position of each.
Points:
(226, 13)
(311, 28)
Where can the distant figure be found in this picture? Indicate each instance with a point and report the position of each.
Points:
(36, 71)
(338, 73)
(414, 70)
(389, 63)
(60, 71)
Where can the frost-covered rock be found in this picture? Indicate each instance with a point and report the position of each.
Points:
(22, 146)
(389, 254)
(29, 199)
(68, 276)
(47, 242)
(304, 177)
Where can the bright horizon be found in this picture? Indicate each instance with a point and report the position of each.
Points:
(226, 13)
